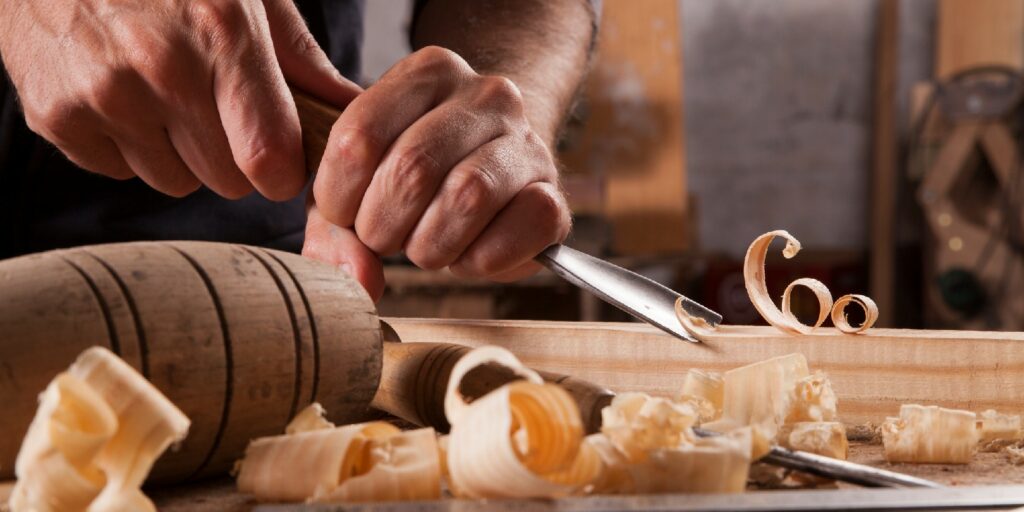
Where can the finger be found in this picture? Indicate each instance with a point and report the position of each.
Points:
(414, 168)
(79, 135)
(341, 247)
(96, 152)
(470, 196)
(199, 138)
(372, 123)
(152, 157)
(303, 62)
(536, 218)
(254, 104)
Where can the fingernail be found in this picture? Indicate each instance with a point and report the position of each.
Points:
(347, 268)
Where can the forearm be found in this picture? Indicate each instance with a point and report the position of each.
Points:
(541, 45)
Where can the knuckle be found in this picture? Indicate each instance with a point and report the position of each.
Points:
(53, 120)
(413, 171)
(354, 144)
(262, 164)
(549, 206)
(303, 43)
(375, 235)
(219, 22)
(500, 91)
(472, 192)
(437, 58)
(432, 255)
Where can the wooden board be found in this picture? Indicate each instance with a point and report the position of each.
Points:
(978, 32)
(872, 373)
(633, 138)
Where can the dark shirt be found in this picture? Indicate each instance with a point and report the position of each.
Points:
(46, 202)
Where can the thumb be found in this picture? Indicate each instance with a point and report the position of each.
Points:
(303, 63)
(341, 247)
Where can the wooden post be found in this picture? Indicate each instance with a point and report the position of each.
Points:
(885, 162)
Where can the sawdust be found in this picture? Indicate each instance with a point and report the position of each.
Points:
(984, 469)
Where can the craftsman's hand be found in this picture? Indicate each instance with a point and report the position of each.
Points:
(440, 161)
(177, 92)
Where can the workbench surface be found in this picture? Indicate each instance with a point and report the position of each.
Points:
(985, 469)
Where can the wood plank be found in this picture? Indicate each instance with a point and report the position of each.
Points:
(633, 138)
(872, 373)
(885, 163)
(979, 32)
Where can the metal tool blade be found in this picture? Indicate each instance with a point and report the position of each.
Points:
(835, 469)
(631, 292)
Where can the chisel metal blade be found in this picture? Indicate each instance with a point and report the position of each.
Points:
(631, 292)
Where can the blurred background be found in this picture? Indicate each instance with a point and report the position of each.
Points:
(885, 135)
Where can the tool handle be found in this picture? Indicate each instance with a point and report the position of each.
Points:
(415, 379)
(240, 338)
(316, 119)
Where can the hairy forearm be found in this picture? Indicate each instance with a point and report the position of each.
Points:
(541, 45)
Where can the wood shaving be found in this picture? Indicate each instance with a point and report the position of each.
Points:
(761, 395)
(930, 434)
(698, 327)
(1014, 454)
(647, 445)
(826, 438)
(522, 440)
(637, 423)
(356, 463)
(308, 419)
(996, 431)
(99, 429)
(705, 391)
(839, 313)
(757, 289)
(784, 319)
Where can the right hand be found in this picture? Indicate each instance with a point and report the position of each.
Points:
(177, 92)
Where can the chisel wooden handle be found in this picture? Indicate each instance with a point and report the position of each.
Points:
(415, 379)
(239, 338)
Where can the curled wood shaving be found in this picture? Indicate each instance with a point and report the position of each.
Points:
(99, 429)
(821, 293)
(522, 440)
(839, 313)
(930, 434)
(757, 289)
(784, 319)
(695, 325)
(355, 463)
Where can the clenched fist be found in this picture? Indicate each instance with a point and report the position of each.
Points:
(442, 162)
(176, 92)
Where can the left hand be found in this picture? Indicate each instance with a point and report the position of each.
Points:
(442, 162)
